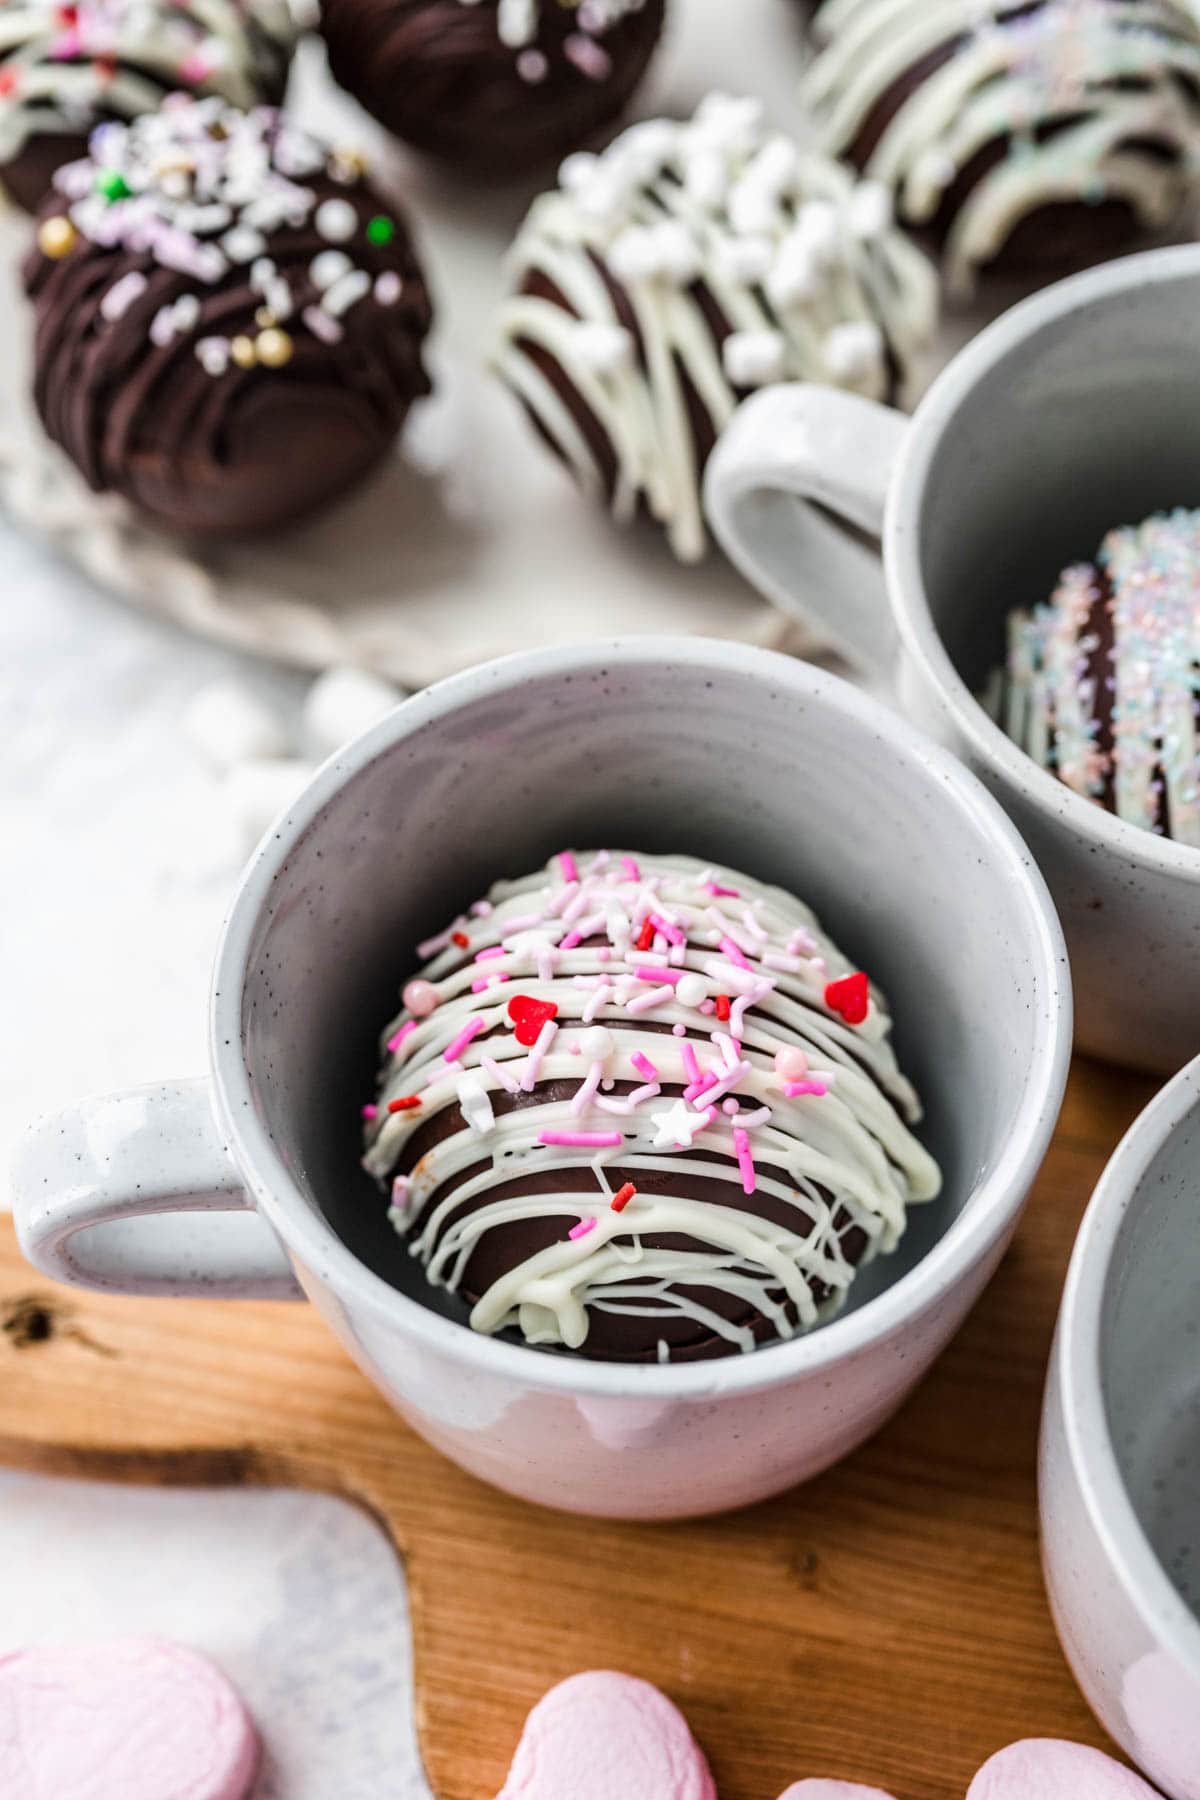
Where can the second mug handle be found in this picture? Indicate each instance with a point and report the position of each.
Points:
(795, 493)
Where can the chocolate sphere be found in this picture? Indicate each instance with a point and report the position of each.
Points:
(1100, 685)
(229, 320)
(1039, 134)
(66, 69)
(498, 87)
(592, 1158)
(687, 265)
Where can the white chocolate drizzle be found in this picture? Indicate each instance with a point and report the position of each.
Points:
(1076, 89)
(802, 264)
(631, 955)
(1149, 580)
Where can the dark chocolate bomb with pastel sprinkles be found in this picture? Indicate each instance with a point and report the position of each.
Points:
(498, 87)
(641, 1109)
(228, 319)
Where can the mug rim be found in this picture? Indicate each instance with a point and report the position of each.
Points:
(921, 639)
(995, 1203)
(1147, 1588)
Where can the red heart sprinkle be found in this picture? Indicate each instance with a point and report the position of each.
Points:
(851, 996)
(528, 1016)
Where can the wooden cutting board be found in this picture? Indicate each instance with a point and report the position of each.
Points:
(887, 1623)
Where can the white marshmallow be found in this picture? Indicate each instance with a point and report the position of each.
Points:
(343, 702)
(227, 724)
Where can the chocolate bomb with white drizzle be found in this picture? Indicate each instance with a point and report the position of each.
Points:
(66, 68)
(1102, 683)
(1019, 133)
(496, 87)
(229, 319)
(689, 264)
(638, 1108)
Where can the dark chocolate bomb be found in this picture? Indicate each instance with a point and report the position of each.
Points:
(640, 1109)
(1019, 133)
(499, 87)
(229, 320)
(66, 69)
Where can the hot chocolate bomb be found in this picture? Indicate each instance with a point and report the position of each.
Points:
(1019, 132)
(66, 69)
(229, 320)
(639, 1108)
(687, 265)
(497, 86)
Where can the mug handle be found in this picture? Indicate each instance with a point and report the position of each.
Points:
(119, 1193)
(795, 492)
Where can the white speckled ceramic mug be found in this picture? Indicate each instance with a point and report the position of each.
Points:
(1074, 412)
(1120, 1464)
(735, 754)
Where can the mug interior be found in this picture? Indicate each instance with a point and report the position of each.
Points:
(733, 755)
(1074, 413)
(1150, 1352)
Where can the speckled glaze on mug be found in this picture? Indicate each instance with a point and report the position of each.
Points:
(1074, 412)
(1120, 1459)
(730, 753)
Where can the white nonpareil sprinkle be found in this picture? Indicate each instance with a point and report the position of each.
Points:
(516, 23)
(243, 244)
(870, 212)
(742, 261)
(794, 274)
(577, 170)
(212, 353)
(327, 267)
(754, 358)
(854, 350)
(388, 287)
(336, 221)
(656, 252)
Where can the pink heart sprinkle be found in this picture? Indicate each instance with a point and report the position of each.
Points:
(603, 1736)
(125, 1719)
(1047, 1769)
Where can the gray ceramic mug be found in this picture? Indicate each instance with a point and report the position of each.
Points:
(1120, 1464)
(1074, 412)
(679, 744)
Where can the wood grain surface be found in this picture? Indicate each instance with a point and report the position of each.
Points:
(887, 1623)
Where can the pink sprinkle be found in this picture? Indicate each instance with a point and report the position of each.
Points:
(487, 955)
(779, 959)
(499, 1074)
(526, 922)
(631, 869)
(587, 1087)
(644, 1066)
(400, 1188)
(708, 1006)
(572, 941)
(733, 952)
(562, 899)
(795, 1088)
(752, 926)
(601, 997)
(533, 1062)
(570, 872)
(722, 893)
(582, 1229)
(690, 1065)
(370, 1112)
(589, 57)
(195, 68)
(582, 1140)
(671, 932)
(432, 945)
(678, 1029)
(629, 1103)
(457, 1045)
(730, 1107)
(477, 987)
(728, 1080)
(801, 940)
(699, 1087)
(644, 1002)
(737, 1012)
(398, 1037)
(482, 909)
(576, 906)
(658, 973)
(741, 1145)
(760, 1116)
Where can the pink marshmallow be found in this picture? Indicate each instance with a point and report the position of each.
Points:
(833, 1790)
(1047, 1769)
(125, 1719)
(602, 1736)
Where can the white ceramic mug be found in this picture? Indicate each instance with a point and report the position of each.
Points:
(1120, 1462)
(1074, 412)
(681, 744)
